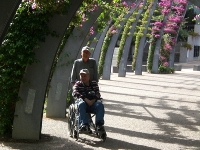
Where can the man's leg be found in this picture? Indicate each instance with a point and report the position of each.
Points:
(82, 106)
(84, 126)
(98, 109)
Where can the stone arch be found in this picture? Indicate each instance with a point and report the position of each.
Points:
(29, 111)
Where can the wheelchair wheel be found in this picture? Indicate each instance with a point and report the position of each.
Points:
(75, 134)
(71, 120)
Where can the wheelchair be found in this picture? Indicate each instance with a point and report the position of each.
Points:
(74, 126)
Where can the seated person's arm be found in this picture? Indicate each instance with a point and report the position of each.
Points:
(96, 89)
(78, 91)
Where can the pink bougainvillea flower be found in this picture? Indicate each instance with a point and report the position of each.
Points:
(173, 40)
(114, 31)
(183, 2)
(141, 5)
(166, 64)
(155, 29)
(180, 9)
(165, 11)
(176, 19)
(197, 17)
(157, 23)
(170, 30)
(133, 5)
(124, 4)
(34, 5)
(156, 35)
(172, 25)
(168, 47)
(162, 58)
(83, 19)
(165, 3)
(91, 30)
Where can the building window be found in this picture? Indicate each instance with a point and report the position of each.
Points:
(196, 51)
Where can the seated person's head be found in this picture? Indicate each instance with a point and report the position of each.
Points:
(84, 75)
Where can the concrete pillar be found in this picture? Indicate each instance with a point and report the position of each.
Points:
(29, 110)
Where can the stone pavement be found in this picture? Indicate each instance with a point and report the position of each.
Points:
(143, 112)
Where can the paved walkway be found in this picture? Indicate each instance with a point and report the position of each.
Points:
(143, 112)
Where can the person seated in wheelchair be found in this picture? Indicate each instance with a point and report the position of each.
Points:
(87, 95)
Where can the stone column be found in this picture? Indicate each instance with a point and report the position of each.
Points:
(29, 110)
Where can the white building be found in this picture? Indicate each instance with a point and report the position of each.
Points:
(194, 54)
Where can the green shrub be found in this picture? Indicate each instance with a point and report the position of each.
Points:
(165, 70)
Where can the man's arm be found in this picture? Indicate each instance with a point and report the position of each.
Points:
(96, 89)
(78, 91)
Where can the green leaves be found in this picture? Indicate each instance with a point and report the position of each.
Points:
(165, 70)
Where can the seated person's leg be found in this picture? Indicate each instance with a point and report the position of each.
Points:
(98, 109)
(84, 126)
(83, 115)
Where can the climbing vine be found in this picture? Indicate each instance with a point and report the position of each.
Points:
(124, 36)
(140, 34)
